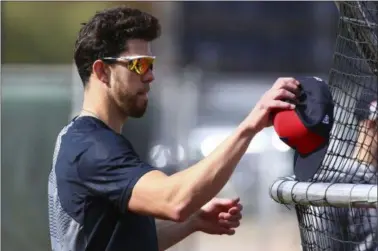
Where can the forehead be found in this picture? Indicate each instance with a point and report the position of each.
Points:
(137, 47)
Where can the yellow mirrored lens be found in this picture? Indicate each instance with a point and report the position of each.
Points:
(141, 65)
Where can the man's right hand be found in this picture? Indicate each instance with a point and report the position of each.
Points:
(272, 100)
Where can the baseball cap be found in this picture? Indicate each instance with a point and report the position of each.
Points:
(366, 106)
(307, 128)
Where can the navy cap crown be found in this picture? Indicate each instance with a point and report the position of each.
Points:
(315, 105)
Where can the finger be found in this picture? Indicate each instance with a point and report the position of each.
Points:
(237, 208)
(290, 86)
(288, 80)
(236, 217)
(236, 200)
(229, 224)
(286, 83)
(226, 202)
(223, 230)
(229, 217)
(226, 231)
(234, 211)
(230, 231)
(279, 104)
(281, 94)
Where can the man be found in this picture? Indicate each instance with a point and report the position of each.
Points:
(101, 195)
(352, 228)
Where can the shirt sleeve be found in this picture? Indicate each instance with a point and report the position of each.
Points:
(112, 172)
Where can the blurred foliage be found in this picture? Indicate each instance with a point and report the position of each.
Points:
(45, 32)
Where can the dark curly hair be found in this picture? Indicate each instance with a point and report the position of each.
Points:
(106, 34)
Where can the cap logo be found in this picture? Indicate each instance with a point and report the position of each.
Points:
(373, 106)
(318, 79)
(326, 119)
(373, 110)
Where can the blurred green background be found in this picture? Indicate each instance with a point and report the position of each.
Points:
(45, 32)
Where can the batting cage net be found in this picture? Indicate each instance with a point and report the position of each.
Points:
(337, 208)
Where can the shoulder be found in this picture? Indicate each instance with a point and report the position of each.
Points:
(95, 149)
(86, 141)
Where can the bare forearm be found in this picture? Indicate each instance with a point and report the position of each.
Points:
(180, 195)
(170, 233)
(196, 185)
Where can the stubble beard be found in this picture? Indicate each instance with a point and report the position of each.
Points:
(131, 107)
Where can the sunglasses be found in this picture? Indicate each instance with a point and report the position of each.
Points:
(137, 64)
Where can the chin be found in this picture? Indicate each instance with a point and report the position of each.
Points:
(137, 115)
(138, 112)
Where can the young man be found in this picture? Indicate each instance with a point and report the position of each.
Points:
(101, 195)
(352, 228)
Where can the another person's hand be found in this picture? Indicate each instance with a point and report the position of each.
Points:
(272, 101)
(218, 216)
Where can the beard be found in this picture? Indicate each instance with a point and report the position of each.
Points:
(136, 107)
(133, 105)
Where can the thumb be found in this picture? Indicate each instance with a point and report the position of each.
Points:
(227, 201)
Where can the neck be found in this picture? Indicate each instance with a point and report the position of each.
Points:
(104, 110)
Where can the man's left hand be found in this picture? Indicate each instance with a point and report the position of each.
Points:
(218, 216)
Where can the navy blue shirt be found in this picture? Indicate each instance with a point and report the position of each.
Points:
(93, 174)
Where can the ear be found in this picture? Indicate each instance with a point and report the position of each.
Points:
(101, 71)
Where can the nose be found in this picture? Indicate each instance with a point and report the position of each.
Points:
(148, 77)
